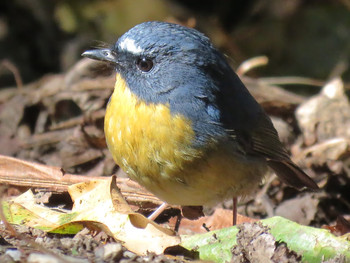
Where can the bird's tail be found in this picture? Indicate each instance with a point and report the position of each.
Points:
(291, 174)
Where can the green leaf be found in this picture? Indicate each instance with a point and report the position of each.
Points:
(313, 244)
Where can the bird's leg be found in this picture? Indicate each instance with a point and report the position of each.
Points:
(234, 210)
(158, 211)
(177, 224)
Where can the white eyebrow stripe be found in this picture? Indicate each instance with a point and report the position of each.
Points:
(129, 45)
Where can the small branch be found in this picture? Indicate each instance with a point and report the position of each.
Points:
(250, 64)
(78, 120)
(291, 81)
(14, 70)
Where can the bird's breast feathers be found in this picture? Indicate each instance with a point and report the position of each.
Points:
(155, 148)
(146, 139)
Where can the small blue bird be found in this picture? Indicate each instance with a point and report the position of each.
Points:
(182, 124)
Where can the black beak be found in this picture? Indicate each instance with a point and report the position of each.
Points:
(101, 54)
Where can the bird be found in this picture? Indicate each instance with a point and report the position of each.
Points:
(182, 124)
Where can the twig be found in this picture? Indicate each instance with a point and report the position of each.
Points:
(251, 63)
(291, 80)
(78, 120)
(14, 70)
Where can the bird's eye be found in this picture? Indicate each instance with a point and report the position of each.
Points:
(144, 64)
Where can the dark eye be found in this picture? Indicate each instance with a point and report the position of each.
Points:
(144, 64)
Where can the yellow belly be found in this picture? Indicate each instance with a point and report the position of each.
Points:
(154, 148)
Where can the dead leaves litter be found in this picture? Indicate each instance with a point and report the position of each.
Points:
(98, 205)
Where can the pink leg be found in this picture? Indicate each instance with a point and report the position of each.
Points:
(234, 210)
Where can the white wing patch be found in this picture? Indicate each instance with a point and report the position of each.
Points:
(129, 45)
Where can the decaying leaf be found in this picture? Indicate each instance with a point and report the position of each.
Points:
(300, 209)
(265, 238)
(325, 123)
(98, 205)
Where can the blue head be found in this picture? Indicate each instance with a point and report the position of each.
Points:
(175, 65)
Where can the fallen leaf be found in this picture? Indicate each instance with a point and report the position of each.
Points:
(219, 219)
(313, 244)
(342, 227)
(301, 209)
(98, 205)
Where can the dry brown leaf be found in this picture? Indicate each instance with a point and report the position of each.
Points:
(326, 115)
(101, 201)
(35, 175)
(220, 219)
(98, 206)
(301, 209)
